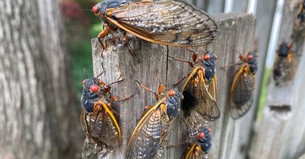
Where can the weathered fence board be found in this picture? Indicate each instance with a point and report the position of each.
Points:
(280, 133)
(229, 136)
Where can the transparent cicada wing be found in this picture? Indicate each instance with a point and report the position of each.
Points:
(174, 23)
(241, 95)
(198, 98)
(147, 136)
(101, 126)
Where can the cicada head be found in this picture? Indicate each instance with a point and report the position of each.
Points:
(284, 49)
(251, 60)
(208, 62)
(90, 93)
(173, 103)
(204, 139)
(100, 8)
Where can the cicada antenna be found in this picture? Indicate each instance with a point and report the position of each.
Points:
(235, 50)
(85, 72)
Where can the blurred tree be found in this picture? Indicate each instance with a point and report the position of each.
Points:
(38, 109)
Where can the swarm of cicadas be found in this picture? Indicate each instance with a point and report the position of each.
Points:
(98, 119)
(241, 94)
(199, 143)
(152, 130)
(174, 23)
(284, 66)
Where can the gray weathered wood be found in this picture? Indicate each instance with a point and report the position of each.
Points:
(235, 30)
(280, 132)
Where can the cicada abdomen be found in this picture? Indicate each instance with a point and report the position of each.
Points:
(98, 119)
(200, 90)
(151, 133)
(241, 94)
(284, 66)
(200, 143)
(174, 23)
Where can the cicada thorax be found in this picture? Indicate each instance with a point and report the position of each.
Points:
(241, 94)
(200, 91)
(284, 66)
(199, 143)
(98, 120)
(150, 134)
(174, 23)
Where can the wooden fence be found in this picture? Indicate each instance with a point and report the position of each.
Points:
(268, 137)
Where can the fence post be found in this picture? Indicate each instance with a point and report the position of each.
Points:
(280, 131)
(228, 137)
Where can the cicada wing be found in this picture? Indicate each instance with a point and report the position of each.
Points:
(289, 67)
(284, 68)
(241, 95)
(173, 23)
(197, 97)
(212, 88)
(145, 139)
(83, 121)
(195, 152)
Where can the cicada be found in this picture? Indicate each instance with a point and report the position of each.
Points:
(284, 66)
(173, 23)
(200, 90)
(98, 119)
(200, 143)
(299, 24)
(151, 133)
(241, 94)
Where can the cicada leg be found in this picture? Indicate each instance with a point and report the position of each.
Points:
(116, 99)
(175, 84)
(131, 50)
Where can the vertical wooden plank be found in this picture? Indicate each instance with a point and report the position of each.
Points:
(235, 30)
(280, 133)
(232, 135)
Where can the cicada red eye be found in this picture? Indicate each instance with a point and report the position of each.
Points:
(94, 88)
(95, 9)
(83, 82)
(201, 135)
(206, 57)
(241, 57)
(249, 57)
(171, 93)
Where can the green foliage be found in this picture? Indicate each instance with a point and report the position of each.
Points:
(262, 99)
(80, 48)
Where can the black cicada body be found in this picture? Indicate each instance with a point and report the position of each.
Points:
(98, 119)
(241, 94)
(174, 23)
(284, 67)
(200, 90)
(151, 132)
(200, 143)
